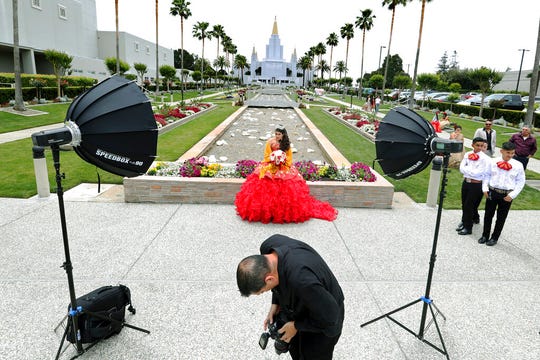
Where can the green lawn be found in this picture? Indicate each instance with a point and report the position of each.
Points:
(357, 148)
(17, 178)
(13, 122)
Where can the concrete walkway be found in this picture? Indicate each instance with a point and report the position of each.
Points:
(179, 260)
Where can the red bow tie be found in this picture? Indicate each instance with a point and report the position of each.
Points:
(474, 156)
(505, 165)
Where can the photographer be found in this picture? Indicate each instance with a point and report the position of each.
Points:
(304, 290)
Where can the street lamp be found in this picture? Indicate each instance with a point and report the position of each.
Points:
(520, 65)
(380, 52)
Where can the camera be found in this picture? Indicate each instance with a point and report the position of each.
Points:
(279, 345)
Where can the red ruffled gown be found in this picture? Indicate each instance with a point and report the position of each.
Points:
(279, 194)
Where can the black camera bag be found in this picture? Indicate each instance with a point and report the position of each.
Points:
(107, 301)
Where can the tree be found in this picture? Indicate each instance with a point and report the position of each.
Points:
(427, 82)
(221, 63)
(347, 32)
(168, 72)
(413, 88)
(305, 64)
(402, 81)
(117, 41)
(485, 79)
(332, 41)
(111, 62)
(240, 62)
(392, 4)
(364, 22)
(200, 32)
(61, 63)
(533, 89)
(19, 101)
(218, 32)
(323, 67)
(340, 68)
(181, 8)
(157, 48)
(376, 81)
(443, 67)
(141, 69)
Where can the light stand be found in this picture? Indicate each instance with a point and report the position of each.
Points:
(72, 319)
(428, 302)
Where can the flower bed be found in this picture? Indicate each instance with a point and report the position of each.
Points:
(166, 114)
(200, 167)
(362, 123)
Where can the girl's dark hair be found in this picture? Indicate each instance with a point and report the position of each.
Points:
(285, 143)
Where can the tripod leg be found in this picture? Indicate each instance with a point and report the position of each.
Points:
(391, 312)
(443, 350)
(63, 339)
(60, 323)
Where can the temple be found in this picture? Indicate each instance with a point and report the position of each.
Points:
(273, 69)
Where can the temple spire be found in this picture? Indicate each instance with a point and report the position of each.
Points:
(274, 29)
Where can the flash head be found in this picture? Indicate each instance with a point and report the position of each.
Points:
(445, 146)
(68, 134)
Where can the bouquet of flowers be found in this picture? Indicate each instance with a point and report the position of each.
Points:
(278, 157)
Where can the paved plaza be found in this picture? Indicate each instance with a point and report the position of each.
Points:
(179, 261)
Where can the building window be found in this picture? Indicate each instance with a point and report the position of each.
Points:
(62, 12)
(136, 46)
(147, 50)
(164, 56)
(36, 4)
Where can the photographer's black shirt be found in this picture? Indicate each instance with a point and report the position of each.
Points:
(308, 290)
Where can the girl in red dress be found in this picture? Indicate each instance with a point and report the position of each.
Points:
(276, 191)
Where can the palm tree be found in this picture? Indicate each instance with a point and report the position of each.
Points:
(180, 8)
(220, 63)
(157, 49)
(324, 67)
(320, 50)
(347, 32)
(19, 101)
(364, 22)
(332, 40)
(117, 40)
(219, 33)
(200, 33)
(392, 4)
(340, 68)
(534, 81)
(240, 62)
(413, 85)
(305, 64)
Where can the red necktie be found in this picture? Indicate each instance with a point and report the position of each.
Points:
(505, 165)
(474, 156)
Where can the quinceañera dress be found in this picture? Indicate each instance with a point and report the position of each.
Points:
(277, 192)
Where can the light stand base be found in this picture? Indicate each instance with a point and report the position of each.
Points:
(420, 336)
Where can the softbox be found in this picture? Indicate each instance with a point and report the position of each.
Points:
(403, 143)
(117, 127)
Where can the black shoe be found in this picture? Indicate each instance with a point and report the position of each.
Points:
(482, 240)
(465, 232)
(476, 221)
(491, 242)
(459, 227)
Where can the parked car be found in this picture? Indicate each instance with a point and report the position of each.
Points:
(510, 101)
(471, 101)
(525, 100)
(440, 96)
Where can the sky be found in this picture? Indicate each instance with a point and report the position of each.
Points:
(481, 32)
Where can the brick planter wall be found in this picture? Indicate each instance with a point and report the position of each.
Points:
(162, 189)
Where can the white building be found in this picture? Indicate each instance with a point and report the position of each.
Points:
(273, 69)
(70, 26)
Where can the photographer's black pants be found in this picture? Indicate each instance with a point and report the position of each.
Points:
(313, 346)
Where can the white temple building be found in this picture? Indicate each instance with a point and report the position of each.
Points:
(273, 69)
